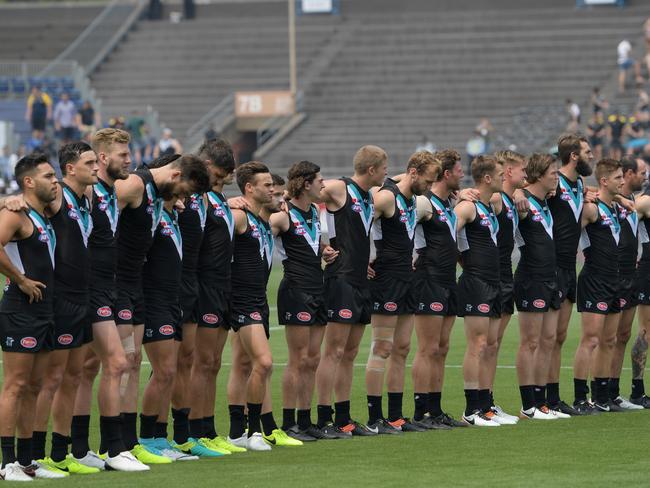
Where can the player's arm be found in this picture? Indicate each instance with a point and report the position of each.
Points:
(333, 194)
(129, 191)
(642, 205)
(17, 203)
(467, 194)
(14, 225)
(240, 221)
(589, 214)
(465, 212)
(279, 223)
(624, 202)
(384, 204)
(496, 202)
(423, 208)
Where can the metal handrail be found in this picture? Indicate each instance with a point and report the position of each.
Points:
(269, 128)
(224, 108)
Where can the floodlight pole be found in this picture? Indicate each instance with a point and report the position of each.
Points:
(293, 82)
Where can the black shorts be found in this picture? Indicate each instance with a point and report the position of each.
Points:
(130, 306)
(597, 294)
(189, 297)
(162, 318)
(102, 305)
(642, 288)
(346, 302)
(627, 292)
(566, 283)
(72, 327)
(536, 296)
(246, 310)
(507, 293)
(433, 298)
(213, 306)
(392, 296)
(22, 332)
(478, 298)
(299, 307)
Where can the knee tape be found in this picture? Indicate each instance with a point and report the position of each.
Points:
(375, 361)
(128, 343)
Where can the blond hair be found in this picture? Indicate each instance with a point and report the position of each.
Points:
(369, 157)
(104, 139)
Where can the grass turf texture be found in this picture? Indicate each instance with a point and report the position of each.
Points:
(586, 451)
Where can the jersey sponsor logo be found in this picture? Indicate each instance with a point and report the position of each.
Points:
(125, 314)
(72, 213)
(485, 222)
(565, 196)
(602, 306)
(28, 342)
(194, 205)
(104, 311)
(166, 231)
(210, 318)
(436, 306)
(166, 330)
(103, 206)
(483, 307)
(43, 238)
(65, 339)
(303, 316)
(390, 306)
(256, 316)
(345, 313)
(539, 303)
(537, 218)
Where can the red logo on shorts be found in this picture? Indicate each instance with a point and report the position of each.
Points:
(539, 303)
(303, 316)
(28, 342)
(602, 306)
(390, 306)
(104, 311)
(483, 308)
(125, 314)
(65, 339)
(166, 330)
(256, 316)
(622, 302)
(436, 306)
(345, 313)
(210, 318)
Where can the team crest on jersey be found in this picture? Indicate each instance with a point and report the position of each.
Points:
(72, 213)
(537, 218)
(254, 232)
(442, 217)
(43, 237)
(194, 205)
(65, 339)
(565, 195)
(166, 231)
(485, 222)
(218, 212)
(299, 230)
(28, 342)
(355, 205)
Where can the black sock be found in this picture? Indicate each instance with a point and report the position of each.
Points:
(593, 388)
(602, 390)
(540, 396)
(580, 389)
(374, 408)
(209, 428)
(471, 401)
(420, 400)
(484, 400)
(237, 421)
(59, 447)
(38, 444)
(527, 393)
(342, 413)
(24, 451)
(111, 431)
(288, 418)
(129, 429)
(79, 433)
(8, 446)
(491, 399)
(254, 412)
(613, 388)
(434, 407)
(304, 419)
(638, 389)
(181, 424)
(268, 423)
(324, 415)
(148, 426)
(395, 405)
(196, 428)
(161, 430)
(553, 393)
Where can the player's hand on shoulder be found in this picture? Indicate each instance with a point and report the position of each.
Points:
(591, 195)
(521, 202)
(467, 195)
(238, 203)
(15, 203)
(625, 203)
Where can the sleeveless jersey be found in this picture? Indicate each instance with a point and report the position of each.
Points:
(566, 207)
(644, 238)
(34, 257)
(217, 245)
(192, 224)
(299, 248)
(349, 233)
(600, 240)
(73, 225)
(101, 244)
(135, 232)
(628, 246)
(508, 221)
(535, 241)
(162, 269)
(250, 268)
(435, 241)
(269, 246)
(477, 242)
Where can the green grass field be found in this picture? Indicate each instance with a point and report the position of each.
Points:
(595, 451)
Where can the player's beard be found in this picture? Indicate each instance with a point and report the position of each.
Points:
(166, 191)
(584, 168)
(117, 172)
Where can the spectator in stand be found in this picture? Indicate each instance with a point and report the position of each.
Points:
(616, 127)
(87, 119)
(625, 62)
(485, 129)
(36, 142)
(636, 133)
(596, 132)
(643, 102)
(117, 123)
(598, 101)
(6, 169)
(39, 110)
(426, 145)
(167, 145)
(65, 119)
(573, 113)
(646, 35)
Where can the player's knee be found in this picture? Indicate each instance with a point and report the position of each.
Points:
(166, 373)
(608, 342)
(623, 336)
(591, 342)
(313, 360)
(382, 349)
(214, 366)
(560, 337)
(442, 350)
(263, 365)
(16, 386)
(117, 364)
(91, 368)
(401, 350)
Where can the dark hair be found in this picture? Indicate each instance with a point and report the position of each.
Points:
(538, 165)
(26, 166)
(219, 152)
(483, 165)
(448, 159)
(70, 153)
(277, 180)
(193, 170)
(163, 160)
(567, 144)
(629, 164)
(246, 173)
(300, 173)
